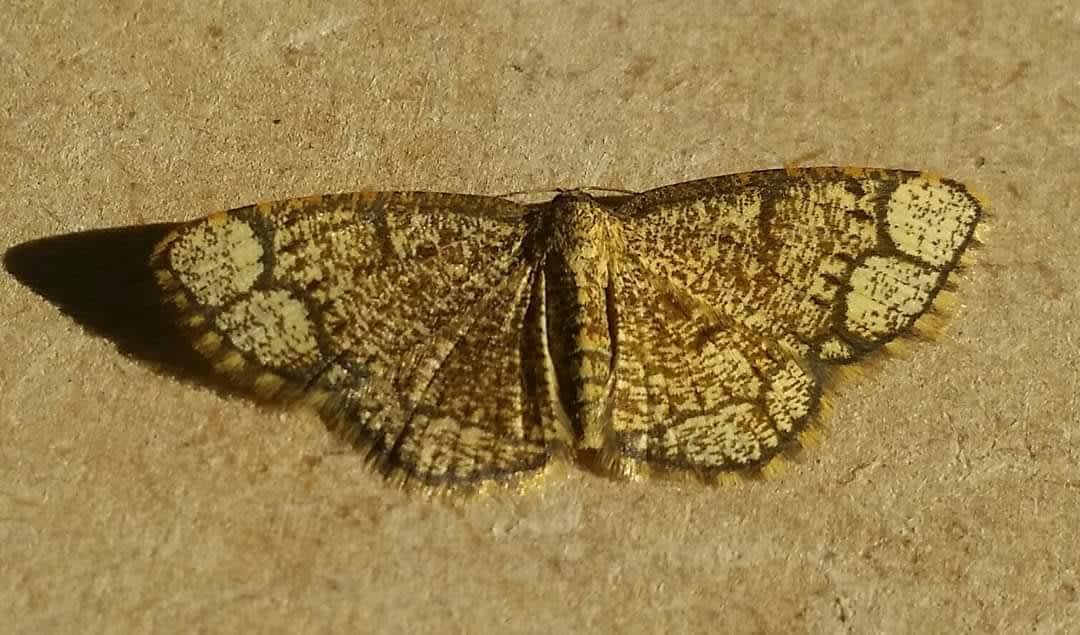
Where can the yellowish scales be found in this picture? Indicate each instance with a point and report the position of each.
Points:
(460, 340)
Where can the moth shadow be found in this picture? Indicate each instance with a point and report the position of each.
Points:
(103, 281)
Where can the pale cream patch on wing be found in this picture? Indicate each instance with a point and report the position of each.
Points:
(273, 326)
(716, 439)
(835, 349)
(885, 295)
(218, 259)
(788, 397)
(929, 219)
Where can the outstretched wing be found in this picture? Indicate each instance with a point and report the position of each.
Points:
(400, 315)
(736, 290)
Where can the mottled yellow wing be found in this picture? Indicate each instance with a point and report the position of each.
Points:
(400, 315)
(463, 339)
(736, 292)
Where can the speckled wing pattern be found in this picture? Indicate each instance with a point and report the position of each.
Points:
(398, 315)
(737, 292)
(468, 339)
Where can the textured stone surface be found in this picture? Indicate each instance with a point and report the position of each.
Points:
(944, 496)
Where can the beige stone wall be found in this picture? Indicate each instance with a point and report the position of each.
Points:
(134, 497)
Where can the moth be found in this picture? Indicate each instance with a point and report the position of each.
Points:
(461, 339)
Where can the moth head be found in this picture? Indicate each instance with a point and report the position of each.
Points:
(571, 197)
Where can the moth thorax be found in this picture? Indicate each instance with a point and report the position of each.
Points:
(583, 228)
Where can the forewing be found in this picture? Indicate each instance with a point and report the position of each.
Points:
(765, 276)
(835, 261)
(400, 315)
